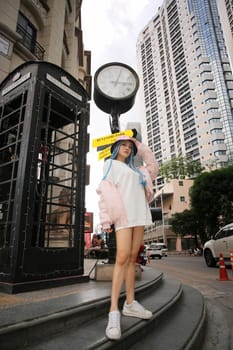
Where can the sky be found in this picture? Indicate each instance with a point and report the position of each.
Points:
(110, 32)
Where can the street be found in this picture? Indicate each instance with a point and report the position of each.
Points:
(193, 271)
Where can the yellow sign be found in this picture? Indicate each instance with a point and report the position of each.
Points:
(109, 139)
(104, 154)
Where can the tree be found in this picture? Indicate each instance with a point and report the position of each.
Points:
(185, 223)
(212, 200)
(180, 168)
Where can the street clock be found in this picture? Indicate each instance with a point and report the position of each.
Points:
(115, 87)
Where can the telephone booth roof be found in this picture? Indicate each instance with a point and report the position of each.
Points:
(45, 71)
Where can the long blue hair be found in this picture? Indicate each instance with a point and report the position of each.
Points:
(129, 161)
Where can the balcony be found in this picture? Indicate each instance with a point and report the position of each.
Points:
(30, 43)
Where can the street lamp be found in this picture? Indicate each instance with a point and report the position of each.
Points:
(158, 213)
(162, 208)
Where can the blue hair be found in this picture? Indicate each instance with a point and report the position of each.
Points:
(129, 161)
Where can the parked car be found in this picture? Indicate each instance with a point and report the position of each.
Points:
(154, 252)
(222, 242)
(161, 246)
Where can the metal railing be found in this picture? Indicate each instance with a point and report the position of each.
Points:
(30, 43)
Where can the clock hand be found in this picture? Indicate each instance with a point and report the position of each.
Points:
(117, 78)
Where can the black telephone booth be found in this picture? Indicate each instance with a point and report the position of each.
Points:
(44, 114)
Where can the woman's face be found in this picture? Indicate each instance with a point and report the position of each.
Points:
(125, 150)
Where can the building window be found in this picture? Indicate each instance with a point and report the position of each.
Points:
(181, 183)
(28, 32)
(182, 199)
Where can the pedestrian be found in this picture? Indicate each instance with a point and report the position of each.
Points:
(95, 241)
(125, 193)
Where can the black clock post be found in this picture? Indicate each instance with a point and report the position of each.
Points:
(114, 121)
(115, 88)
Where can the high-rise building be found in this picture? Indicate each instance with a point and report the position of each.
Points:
(225, 8)
(188, 83)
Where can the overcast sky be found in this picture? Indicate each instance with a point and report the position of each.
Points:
(110, 32)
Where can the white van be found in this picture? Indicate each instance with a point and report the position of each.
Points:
(160, 246)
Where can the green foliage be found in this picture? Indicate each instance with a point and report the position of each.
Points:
(211, 205)
(185, 223)
(212, 200)
(180, 168)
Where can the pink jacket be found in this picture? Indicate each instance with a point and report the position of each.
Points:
(111, 205)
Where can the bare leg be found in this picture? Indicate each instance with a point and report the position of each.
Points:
(128, 244)
(124, 243)
(138, 233)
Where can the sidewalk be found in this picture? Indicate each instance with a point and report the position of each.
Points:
(11, 300)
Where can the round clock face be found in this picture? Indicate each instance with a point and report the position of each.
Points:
(116, 81)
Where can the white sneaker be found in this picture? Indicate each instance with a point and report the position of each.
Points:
(113, 330)
(136, 310)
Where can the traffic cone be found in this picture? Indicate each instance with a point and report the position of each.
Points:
(222, 269)
(231, 255)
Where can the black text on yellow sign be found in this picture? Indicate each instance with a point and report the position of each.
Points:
(104, 154)
(109, 139)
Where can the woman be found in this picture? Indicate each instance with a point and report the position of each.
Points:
(125, 193)
(94, 241)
